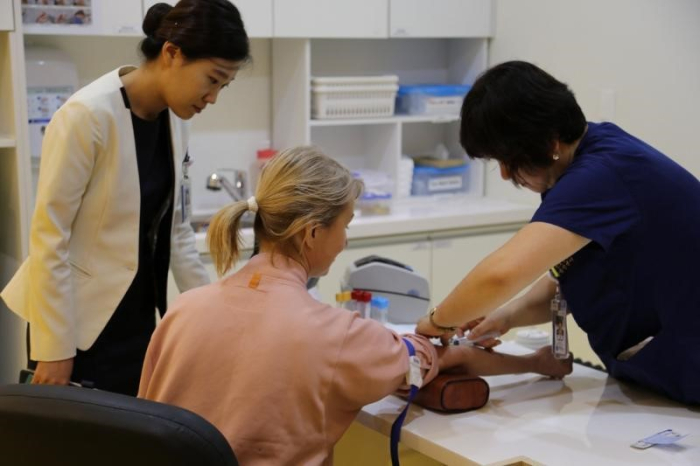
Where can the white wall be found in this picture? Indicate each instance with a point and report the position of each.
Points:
(225, 135)
(647, 52)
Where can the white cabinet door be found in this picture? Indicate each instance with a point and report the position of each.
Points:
(414, 254)
(7, 16)
(440, 18)
(331, 18)
(256, 14)
(122, 18)
(453, 258)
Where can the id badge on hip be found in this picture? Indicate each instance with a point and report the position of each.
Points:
(560, 337)
(186, 199)
(186, 190)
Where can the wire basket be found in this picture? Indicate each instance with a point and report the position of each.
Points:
(353, 97)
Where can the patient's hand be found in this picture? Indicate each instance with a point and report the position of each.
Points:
(547, 364)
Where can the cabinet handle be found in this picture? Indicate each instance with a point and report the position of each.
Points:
(126, 30)
(442, 243)
(443, 119)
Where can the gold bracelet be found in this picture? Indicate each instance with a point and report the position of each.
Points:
(439, 327)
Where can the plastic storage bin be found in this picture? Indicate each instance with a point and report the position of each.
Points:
(436, 180)
(377, 197)
(353, 97)
(374, 204)
(430, 99)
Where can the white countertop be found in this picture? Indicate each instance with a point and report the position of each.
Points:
(585, 419)
(423, 215)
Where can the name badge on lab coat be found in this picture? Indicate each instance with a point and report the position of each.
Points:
(186, 200)
(186, 191)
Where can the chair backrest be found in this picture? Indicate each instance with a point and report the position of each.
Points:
(53, 425)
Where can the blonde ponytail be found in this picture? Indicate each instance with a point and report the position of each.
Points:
(299, 187)
(224, 236)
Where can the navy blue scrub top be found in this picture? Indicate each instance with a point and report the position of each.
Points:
(638, 277)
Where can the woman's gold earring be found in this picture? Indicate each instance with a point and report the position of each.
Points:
(555, 156)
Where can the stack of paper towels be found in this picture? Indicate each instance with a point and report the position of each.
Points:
(405, 177)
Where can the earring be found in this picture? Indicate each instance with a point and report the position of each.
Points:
(555, 156)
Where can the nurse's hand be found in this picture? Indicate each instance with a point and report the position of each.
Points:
(498, 322)
(426, 328)
(53, 372)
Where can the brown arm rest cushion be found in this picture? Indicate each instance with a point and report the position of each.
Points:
(453, 393)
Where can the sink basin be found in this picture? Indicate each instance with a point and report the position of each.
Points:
(200, 224)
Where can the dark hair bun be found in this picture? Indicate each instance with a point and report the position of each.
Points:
(154, 16)
(201, 28)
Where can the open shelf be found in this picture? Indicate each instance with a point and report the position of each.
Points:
(7, 142)
(374, 143)
(392, 119)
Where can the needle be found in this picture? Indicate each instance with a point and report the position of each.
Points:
(464, 341)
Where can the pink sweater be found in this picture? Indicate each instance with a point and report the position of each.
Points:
(280, 374)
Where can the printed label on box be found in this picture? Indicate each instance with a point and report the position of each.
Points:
(442, 105)
(446, 183)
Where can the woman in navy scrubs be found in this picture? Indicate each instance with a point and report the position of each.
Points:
(618, 227)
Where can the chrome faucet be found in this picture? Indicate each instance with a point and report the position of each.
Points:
(237, 189)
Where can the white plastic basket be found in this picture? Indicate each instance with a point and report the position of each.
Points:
(353, 97)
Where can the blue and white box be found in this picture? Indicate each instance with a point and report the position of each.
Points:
(439, 180)
(431, 99)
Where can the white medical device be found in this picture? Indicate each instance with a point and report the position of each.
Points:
(408, 292)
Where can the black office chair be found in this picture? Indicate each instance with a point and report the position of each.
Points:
(52, 425)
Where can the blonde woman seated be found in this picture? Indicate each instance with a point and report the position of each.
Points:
(280, 374)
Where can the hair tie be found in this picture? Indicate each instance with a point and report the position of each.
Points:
(252, 204)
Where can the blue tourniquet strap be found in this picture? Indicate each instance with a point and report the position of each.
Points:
(396, 427)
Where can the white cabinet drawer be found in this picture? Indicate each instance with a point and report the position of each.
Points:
(331, 19)
(440, 18)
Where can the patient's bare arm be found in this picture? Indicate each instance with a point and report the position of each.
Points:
(481, 362)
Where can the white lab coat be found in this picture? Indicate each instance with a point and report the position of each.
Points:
(84, 240)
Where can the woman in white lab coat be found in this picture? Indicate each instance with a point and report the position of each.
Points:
(112, 203)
